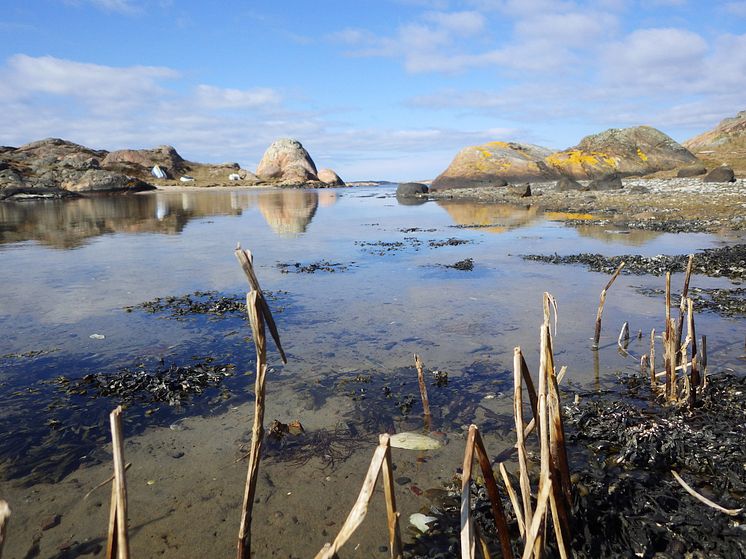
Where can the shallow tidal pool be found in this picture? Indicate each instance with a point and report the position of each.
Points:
(358, 282)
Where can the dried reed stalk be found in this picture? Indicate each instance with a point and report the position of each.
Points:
(119, 488)
(704, 361)
(528, 381)
(703, 499)
(535, 527)
(653, 383)
(483, 547)
(545, 476)
(467, 523)
(4, 516)
(388, 487)
(644, 365)
(253, 308)
(513, 499)
(597, 335)
(498, 512)
(359, 509)
(108, 480)
(672, 350)
(694, 378)
(247, 264)
(682, 306)
(521, 443)
(421, 381)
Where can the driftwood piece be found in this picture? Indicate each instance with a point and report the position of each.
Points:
(599, 313)
(253, 308)
(245, 258)
(694, 377)
(119, 539)
(703, 499)
(421, 381)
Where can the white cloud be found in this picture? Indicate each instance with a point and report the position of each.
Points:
(458, 22)
(102, 87)
(736, 8)
(664, 58)
(221, 98)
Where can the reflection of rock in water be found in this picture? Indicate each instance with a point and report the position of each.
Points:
(288, 212)
(611, 234)
(327, 198)
(497, 218)
(68, 223)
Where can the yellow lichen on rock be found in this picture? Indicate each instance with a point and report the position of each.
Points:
(641, 155)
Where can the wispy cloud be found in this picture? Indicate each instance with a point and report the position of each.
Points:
(212, 97)
(128, 7)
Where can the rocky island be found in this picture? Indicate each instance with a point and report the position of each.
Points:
(56, 168)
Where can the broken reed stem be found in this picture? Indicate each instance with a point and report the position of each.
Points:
(108, 480)
(704, 361)
(359, 509)
(703, 499)
(497, 507)
(521, 443)
(467, 523)
(623, 339)
(421, 381)
(119, 488)
(4, 516)
(392, 515)
(644, 365)
(545, 476)
(246, 260)
(253, 308)
(513, 499)
(694, 379)
(535, 527)
(653, 383)
(597, 335)
(671, 380)
(682, 307)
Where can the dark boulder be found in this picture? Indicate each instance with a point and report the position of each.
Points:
(411, 190)
(566, 184)
(720, 174)
(609, 182)
(691, 171)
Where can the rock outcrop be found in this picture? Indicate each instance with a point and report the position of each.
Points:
(140, 162)
(286, 161)
(494, 164)
(726, 143)
(330, 178)
(694, 170)
(624, 151)
(55, 168)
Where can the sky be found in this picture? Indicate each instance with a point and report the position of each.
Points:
(379, 89)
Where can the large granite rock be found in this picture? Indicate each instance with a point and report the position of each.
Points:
(566, 184)
(329, 177)
(495, 164)
(58, 168)
(625, 151)
(720, 174)
(726, 143)
(140, 162)
(287, 161)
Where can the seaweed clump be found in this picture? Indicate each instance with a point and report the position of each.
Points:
(173, 384)
(627, 501)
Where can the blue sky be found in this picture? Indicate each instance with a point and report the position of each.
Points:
(386, 89)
